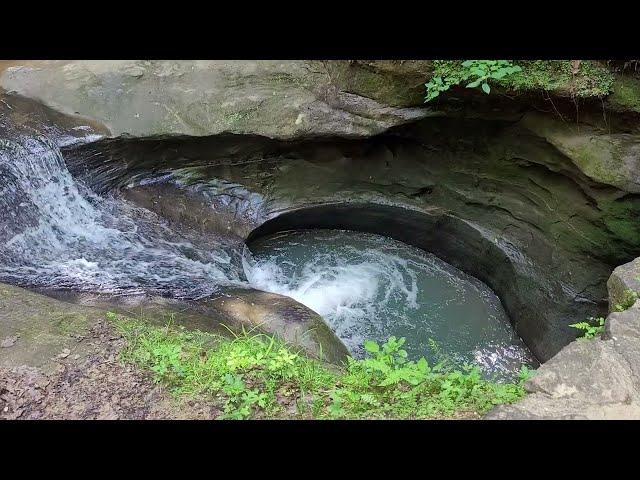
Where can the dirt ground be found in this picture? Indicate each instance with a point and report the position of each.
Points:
(61, 361)
(94, 386)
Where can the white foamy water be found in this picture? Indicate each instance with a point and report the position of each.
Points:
(56, 233)
(371, 287)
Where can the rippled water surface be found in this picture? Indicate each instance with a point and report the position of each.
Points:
(371, 287)
(57, 233)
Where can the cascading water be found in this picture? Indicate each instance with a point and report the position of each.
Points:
(56, 233)
(371, 287)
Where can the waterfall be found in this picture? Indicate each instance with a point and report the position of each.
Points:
(58, 233)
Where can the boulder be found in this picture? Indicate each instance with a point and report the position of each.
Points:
(255, 310)
(623, 282)
(36, 329)
(588, 379)
(609, 158)
(278, 99)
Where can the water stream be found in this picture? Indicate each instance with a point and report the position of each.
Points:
(371, 287)
(57, 233)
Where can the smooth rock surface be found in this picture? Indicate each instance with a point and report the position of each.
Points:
(278, 99)
(276, 314)
(36, 329)
(589, 379)
(609, 158)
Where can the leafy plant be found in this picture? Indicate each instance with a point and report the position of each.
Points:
(476, 72)
(591, 328)
(254, 376)
(484, 70)
(580, 78)
(240, 400)
(525, 374)
(628, 300)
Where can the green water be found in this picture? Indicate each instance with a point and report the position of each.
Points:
(371, 287)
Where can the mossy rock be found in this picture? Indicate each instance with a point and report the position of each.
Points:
(626, 94)
(609, 158)
(398, 83)
(283, 99)
(43, 327)
(624, 280)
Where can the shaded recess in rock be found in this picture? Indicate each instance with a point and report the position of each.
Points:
(490, 197)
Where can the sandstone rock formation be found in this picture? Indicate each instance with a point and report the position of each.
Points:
(590, 379)
(277, 99)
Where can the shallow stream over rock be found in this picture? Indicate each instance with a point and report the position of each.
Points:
(59, 234)
(169, 217)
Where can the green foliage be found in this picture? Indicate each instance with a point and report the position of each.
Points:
(628, 300)
(257, 376)
(387, 385)
(479, 72)
(585, 78)
(591, 328)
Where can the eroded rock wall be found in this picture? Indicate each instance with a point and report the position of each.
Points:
(277, 99)
(489, 197)
(590, 379)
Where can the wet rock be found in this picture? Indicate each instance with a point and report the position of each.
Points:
(279, 315)
(490, 198)
(232, 308)
(609, 158)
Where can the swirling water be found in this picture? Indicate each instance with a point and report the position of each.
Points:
(56, 233)
(371, 287)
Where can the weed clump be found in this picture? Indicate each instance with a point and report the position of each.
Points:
(258, 376)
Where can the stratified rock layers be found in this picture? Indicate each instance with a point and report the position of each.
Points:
(490, 198)
(590, 379)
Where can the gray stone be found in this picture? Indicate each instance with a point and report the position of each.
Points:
(592, 369)
(9, 341)
(588, 379)
(609, 158)
(278, 99)
(539, 407)
(624, 324)
(624, 280)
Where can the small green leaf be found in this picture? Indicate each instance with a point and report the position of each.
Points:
(371, 346)
(486, 88)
